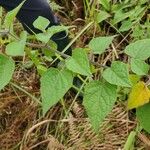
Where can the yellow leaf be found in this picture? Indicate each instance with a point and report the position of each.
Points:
(4, 41)
(139, 95)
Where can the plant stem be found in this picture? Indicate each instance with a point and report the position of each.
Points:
(78, 35)
(27, 93)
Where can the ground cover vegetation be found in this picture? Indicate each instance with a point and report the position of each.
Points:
(42, 105)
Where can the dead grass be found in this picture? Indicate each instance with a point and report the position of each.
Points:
(22, 128)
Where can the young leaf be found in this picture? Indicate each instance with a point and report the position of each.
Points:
(139, 66)
(143, 115)
(129, 145)
(126, 25)
(99, 44)
(11, 15)
(139, 95)
(138, 32)
(117, 74)
(41, 69)
(101, 16)
(54, 85)
(139, 49)
(7, 67)
(16, 48)
(55, 29)
(98, 101)
(105, 4)
(79, 63)
(41, 23)
(120, 16)
(43, 37)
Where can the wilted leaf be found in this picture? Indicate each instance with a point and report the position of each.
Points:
(139, 95)
(99, 100)
(117, 74)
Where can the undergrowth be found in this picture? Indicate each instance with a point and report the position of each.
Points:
(42, 104)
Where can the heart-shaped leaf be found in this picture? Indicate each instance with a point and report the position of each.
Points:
(99, 100)
(139, 66)
(139, 49)
(41, 23)
(7, 67)
(99, 44)
(117, 74)
(79, 62)
(139, 95)
(54, 85)
(16, 48)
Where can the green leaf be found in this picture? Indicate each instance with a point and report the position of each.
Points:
(41, 23)
(41, 69)
(101, 16)
(55, 6)
(117, 74)
(139, 49)
(11, 15)
(54, 85)
(98, 101)
(34, 56)
(43, 37)
(143, 2)
(79, 62)
(16, 48)
(55, 29)
(138, 13)
(99, 44)
(126, 25)
(105, 4)
(7, 67)
(139, 67)
(138, 32)
(120, 16)
(129, 145)
(143, 115)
